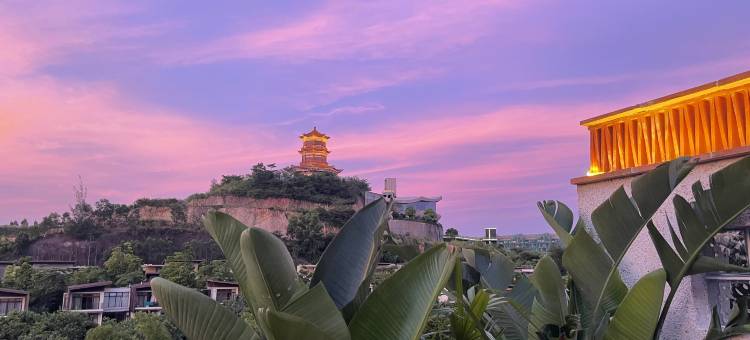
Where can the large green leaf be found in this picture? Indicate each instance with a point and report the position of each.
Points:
(551, 305)
(272, 277)
(617, 221)
(197, 315)
(601, 289)
(638, 313)
(714, 208)
(466, 320)
(285, 326)
(347, 261)
(227, 231)
(317, 307)
(512, 312)
(399, 307)
(559, 217)
(495, 269)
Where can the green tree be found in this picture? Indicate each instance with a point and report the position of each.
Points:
(59, 326)
(410, 213)
(87, 275)
(123, 266)
(430, 216)
(20, 275)
(151, 326)
(451, 232)
(305, 233)
(47, 290)
(179, 269)
(216, 269)
(113, 330)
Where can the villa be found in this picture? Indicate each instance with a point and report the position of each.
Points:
(12, 300)
(711, 123)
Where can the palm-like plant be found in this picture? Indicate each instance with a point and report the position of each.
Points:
(595, 291)
(337, 304)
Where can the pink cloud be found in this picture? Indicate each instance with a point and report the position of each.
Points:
(360, 30)
(51, 133)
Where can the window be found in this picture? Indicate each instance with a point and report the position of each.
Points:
(8, 306)
(84, 301)
(116, 299)
(143, 299)
(223, 295)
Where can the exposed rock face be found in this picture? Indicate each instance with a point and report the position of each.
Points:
(418, 230)
(271, 214)
(159, 214)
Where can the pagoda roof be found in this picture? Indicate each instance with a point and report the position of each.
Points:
(315, 133)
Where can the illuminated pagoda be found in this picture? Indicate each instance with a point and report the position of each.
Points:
(315, 154)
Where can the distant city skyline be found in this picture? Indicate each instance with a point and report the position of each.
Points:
(478, 102)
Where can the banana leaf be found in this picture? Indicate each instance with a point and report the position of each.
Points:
(227, 231)
(284, 326)
(197, 315)
(714, 208)
(399, 307)
(638, 313)
(512, 312)
(271, 274)
(559, 217)
(316, 307)
(347, 261)
(550, 306)
(617, 221)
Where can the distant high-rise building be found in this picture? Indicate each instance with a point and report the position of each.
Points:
(315, 153)
(389, 191)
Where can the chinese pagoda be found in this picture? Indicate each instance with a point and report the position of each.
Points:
(315, 154)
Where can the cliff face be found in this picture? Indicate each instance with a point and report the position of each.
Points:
(158, 214)
(271, 214)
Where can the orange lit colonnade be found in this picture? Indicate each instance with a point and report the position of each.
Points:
(710, 118)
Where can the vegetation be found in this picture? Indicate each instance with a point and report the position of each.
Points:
(306, 239)
(452, 232)
(410, 214)
(267, 182)
(179, 269)
(53, 326)
(332, 306)
(123, 266)
(142, 326)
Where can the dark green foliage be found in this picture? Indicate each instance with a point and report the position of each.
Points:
(47, 290)
(33, 326)
(179, 269)
(334, 217)
(154, 249)
(217, 270)
(451, 232)
(85, 229)
(266, 182)
(142, 326)
(124, 267)
(87, 275)
(306, 239)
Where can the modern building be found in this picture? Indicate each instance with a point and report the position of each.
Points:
(314, 153)
(142, 299)
(97, 300)
(416, 228)
(222, 291)
(12, 300)
(711, 123)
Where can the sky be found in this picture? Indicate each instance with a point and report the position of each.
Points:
(476, 101)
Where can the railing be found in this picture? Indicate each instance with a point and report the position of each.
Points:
(724, 290)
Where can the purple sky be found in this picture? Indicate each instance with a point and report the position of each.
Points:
(477, 101)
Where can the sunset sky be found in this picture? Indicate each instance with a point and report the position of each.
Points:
(477, 101)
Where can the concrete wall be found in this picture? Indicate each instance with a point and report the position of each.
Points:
(690, 313)
(415, 229)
